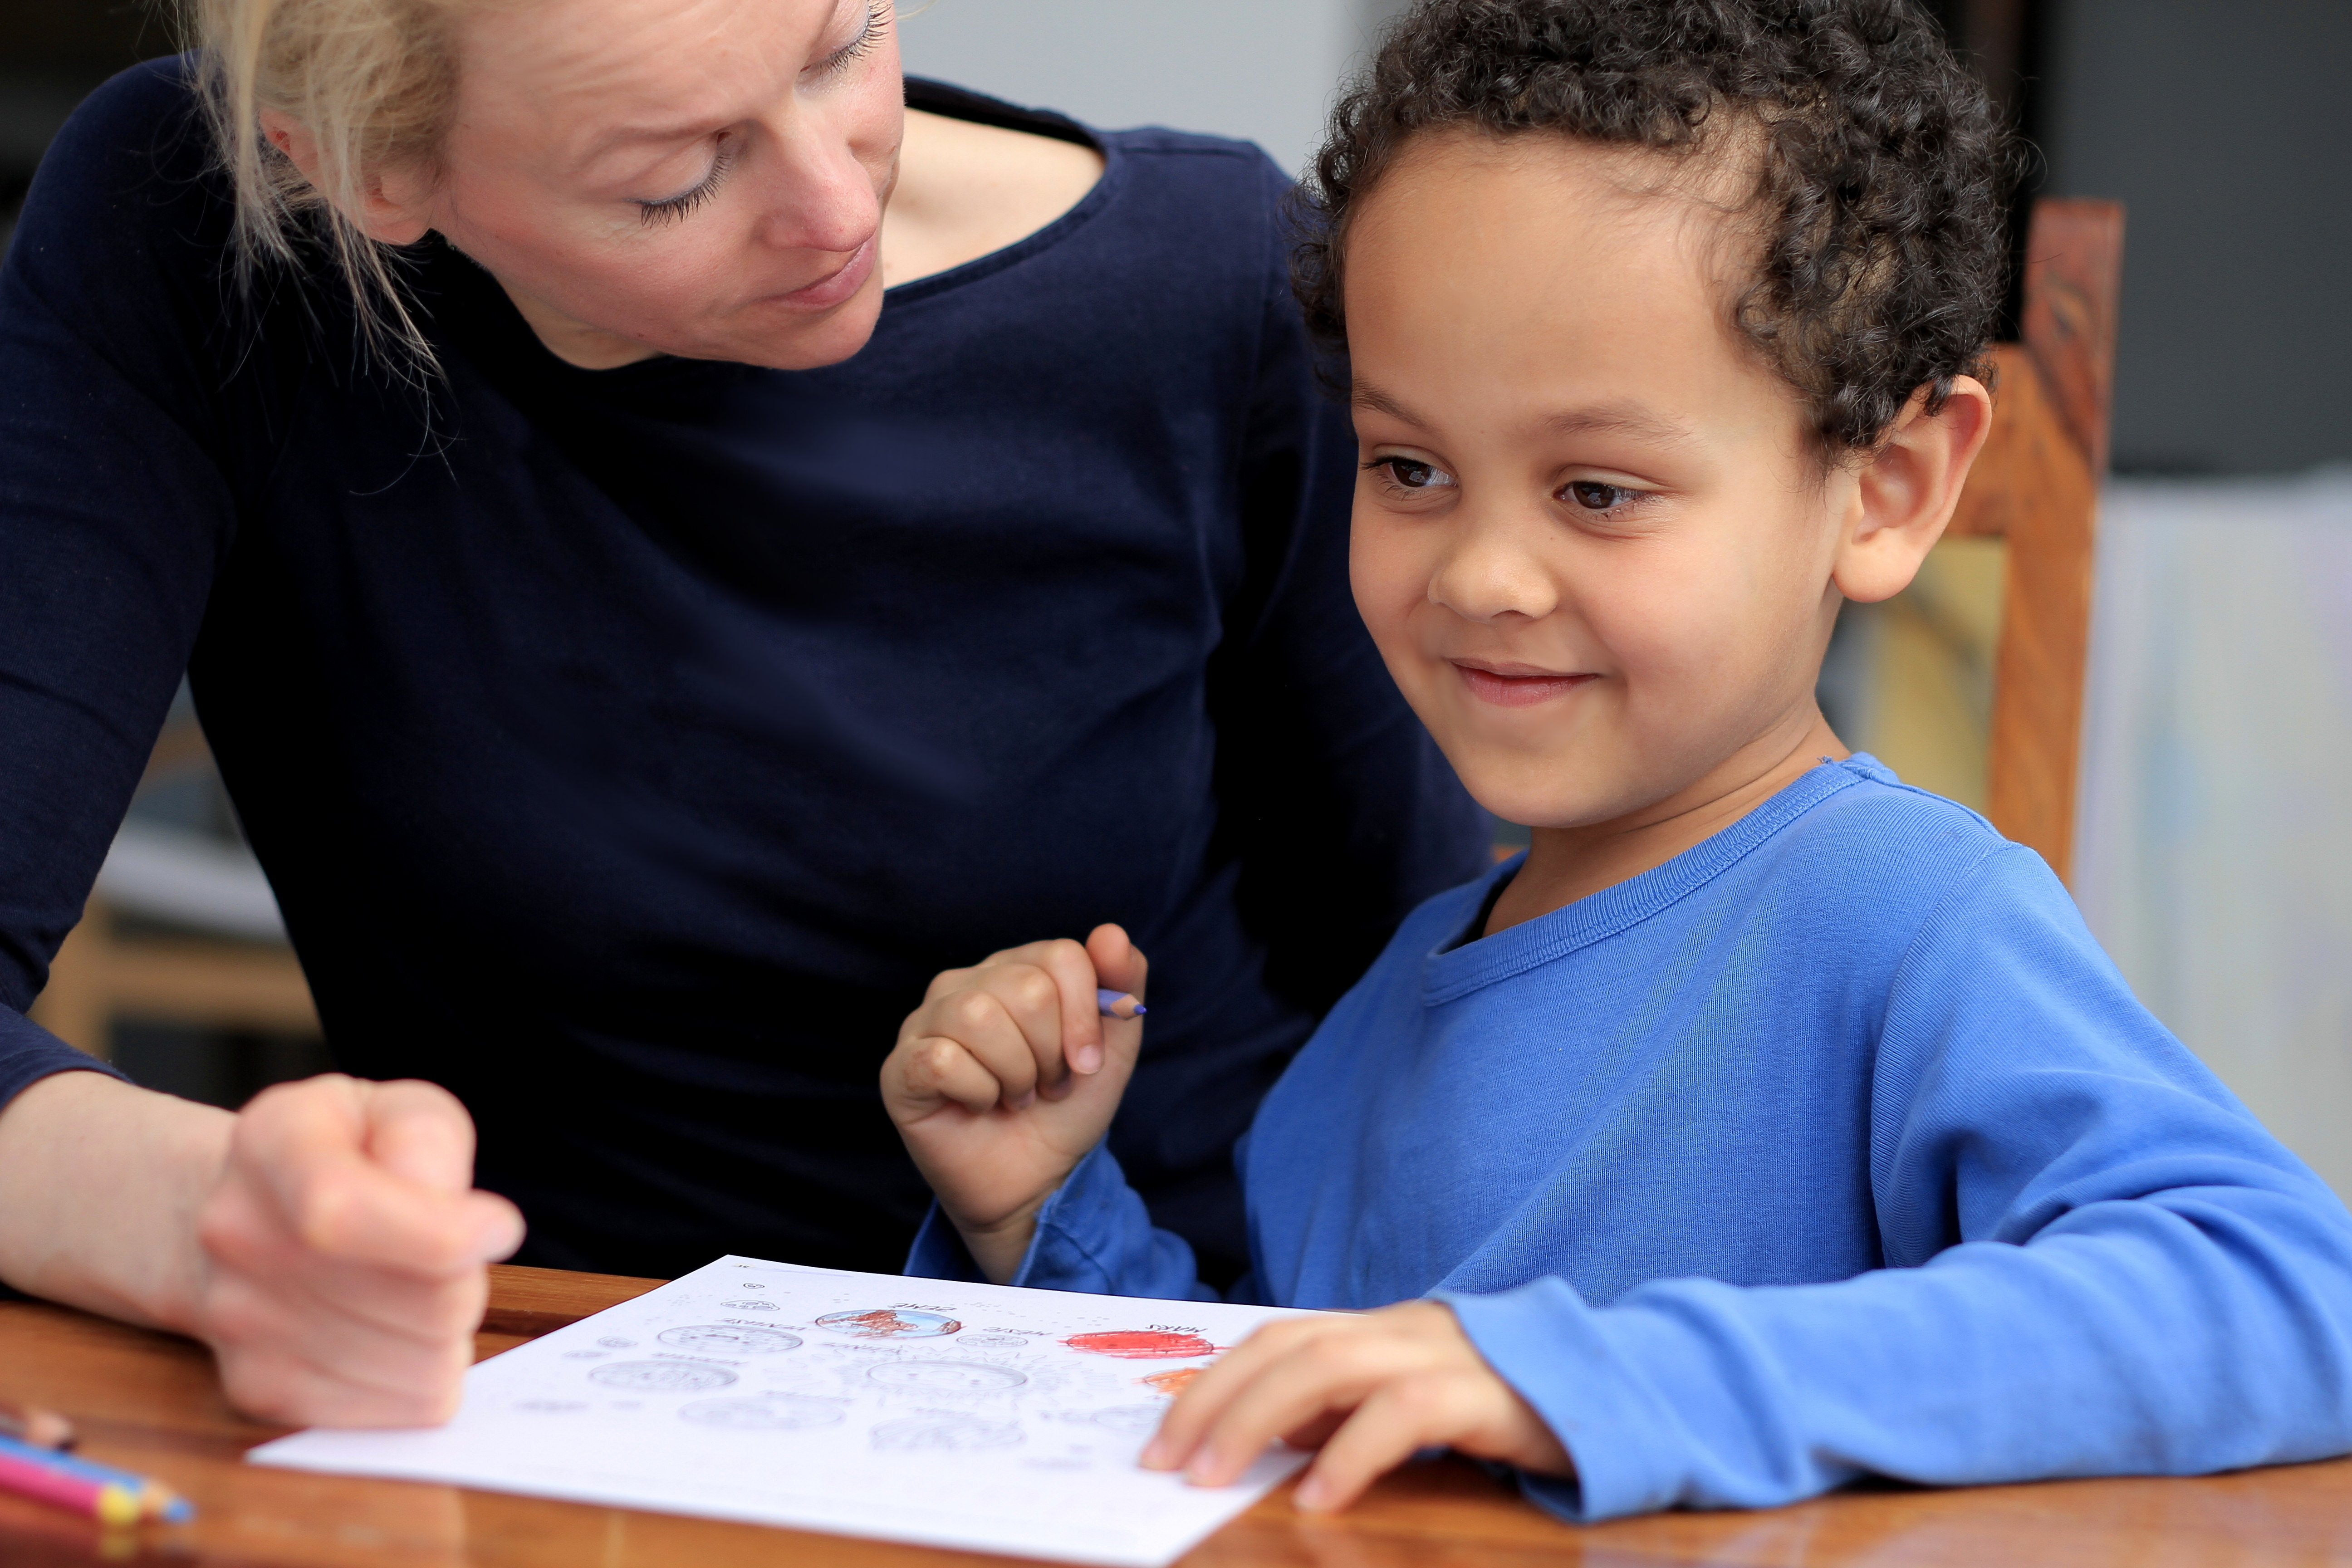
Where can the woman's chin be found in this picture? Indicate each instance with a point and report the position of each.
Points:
(779, 337)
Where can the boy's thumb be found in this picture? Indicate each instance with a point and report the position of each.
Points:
(1118, 965)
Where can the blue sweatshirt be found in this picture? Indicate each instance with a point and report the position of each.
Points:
(628, 749)
(1834, 1146)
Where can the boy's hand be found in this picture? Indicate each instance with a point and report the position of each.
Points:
(1006, 1076)
(1369, 1389)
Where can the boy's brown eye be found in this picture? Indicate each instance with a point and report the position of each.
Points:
(1412, 475)
(1594, 496)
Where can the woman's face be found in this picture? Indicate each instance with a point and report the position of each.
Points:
(698, 177)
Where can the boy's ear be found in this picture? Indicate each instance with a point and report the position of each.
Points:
(1904, 495)
(392, 206)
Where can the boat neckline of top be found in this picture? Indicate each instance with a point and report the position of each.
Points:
(928, 97)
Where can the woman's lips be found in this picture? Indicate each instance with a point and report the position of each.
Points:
(831, 290)
(1516, 686)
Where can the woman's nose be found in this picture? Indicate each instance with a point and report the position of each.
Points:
(825, 199)
(1491, 570)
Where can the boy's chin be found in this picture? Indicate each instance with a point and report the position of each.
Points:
(1535, 796)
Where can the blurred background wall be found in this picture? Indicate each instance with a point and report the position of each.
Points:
(2216, 860)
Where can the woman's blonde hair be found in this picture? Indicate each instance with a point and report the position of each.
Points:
(373, 82)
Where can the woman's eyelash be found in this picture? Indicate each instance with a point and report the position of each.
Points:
(842, 59)
(669, 209)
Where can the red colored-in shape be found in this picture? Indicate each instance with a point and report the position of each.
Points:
(1142, 1344)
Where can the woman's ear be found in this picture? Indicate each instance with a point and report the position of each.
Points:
(391, 206)
(1905, 493)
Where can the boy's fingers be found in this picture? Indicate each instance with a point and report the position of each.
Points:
(1035, 994)
(1401, 1417)
(1118, 965)
(1330, 1373)
(1197, 1407)
(1075, 985)
(945, 981)
(938, 1068)
(980, 1023)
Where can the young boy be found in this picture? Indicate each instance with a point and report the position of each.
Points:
(1770, 1123)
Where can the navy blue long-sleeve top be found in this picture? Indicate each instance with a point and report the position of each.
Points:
(629, 748)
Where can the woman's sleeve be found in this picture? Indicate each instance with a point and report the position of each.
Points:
(2100, 1264)
(1093, 1235)
(114, 516)
(1321, 763)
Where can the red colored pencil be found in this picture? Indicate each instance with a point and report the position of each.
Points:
(109, 1501)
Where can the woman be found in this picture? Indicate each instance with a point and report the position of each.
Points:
(633, 696)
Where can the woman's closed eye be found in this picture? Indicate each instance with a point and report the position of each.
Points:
(1411, 476)
(669, 209)
(878, 16)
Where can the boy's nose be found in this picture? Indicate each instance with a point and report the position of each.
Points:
(1488, 572)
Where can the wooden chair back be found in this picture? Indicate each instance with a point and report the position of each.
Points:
(2036, 485)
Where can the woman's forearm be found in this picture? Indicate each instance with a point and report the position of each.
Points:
(100, 1184)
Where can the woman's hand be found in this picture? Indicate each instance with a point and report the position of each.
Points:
(326, 1243)
(1368, 1390)
(1006, 1076)
(345, 1250)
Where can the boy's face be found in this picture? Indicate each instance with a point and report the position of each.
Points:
(1590, 538)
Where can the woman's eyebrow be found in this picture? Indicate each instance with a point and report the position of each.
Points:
(618, 136)
(614, 138)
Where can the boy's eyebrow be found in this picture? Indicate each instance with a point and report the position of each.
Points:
(1605, 418)
(1620, 419)
(1364, 394)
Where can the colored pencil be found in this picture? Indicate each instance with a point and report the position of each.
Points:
(1119, 1005)
(148, 1499)
(108, 1501)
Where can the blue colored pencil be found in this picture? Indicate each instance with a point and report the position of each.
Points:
(1119, 1005)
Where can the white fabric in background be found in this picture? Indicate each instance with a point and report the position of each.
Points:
(2215, 852)
(180, 877)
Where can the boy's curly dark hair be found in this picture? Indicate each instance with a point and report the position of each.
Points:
(1883, 170)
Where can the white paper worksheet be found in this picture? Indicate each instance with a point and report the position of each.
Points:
(962, 1415)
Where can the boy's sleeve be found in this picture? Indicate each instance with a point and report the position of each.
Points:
(2099, 1264)
(1093, 1235)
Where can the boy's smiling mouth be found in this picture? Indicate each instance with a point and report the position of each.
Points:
(1515, 685)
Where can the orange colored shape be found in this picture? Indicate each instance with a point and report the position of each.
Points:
(1143, 1345)
(1174, 1381)
(883, 1323)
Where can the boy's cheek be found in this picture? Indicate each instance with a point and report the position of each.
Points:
(1390, 582)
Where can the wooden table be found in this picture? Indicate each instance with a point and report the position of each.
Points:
(151, 1403)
